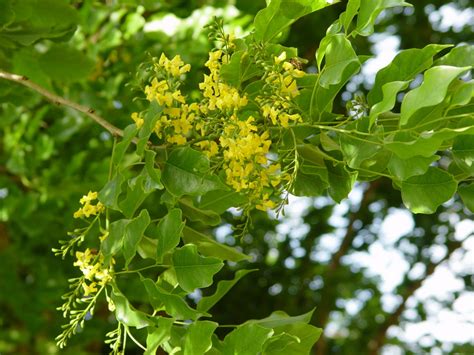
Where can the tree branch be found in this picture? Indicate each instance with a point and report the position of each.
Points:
(379, 339)
(58, 100)
(330, 275)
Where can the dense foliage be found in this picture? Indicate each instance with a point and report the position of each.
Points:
(241, 133)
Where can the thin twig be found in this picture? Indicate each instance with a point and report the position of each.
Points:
(58, 100)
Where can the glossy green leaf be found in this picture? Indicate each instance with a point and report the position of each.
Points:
(403, 169)
(338, 54)
(193, 270)
(221, 200)
(321, 99)
(155, 174)
(121, 147)
(418, 191)
(114, 241)
(209, 247)
(462, 92)
(187, 172)
(174, 305)
(158, 335)
(149, 121)
(279, 14)
(389, 97)
(280, 318)
(197, 340)
(459, 56)
(311, 180)
(247, 339)
(136, 194)
(357, 148)
(126, 313)
(133, 234)
(424, 95)
(347, 16)
(195, 214)
(404, 67)
(463, 151)
(467, 195)
(340, 180)
(110, 193)
(368, 12)
(169, 232)
(224, 286)
(296, 338)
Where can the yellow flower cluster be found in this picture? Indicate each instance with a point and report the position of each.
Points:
(176, 122)
(220, 95)
(245, 161)
(92, 267)
(215, 127)
(278, 106)
(88, 209)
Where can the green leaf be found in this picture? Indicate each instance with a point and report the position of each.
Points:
(424, 193)
(297, 338)
(467, 195)
(111, 191)
(321, 99)
(424, 95)
(221, 200)
(280, 318)
(149, 121)
(209, 247)
(193, 270)
(37, 20)
(460, 56)
(404, 67)
(170, 229)
(114, 241)
(198, 337)
(187, 172)
(247, 339)
(158, 335)
(224, 286)
(120, 148)
(311, 180)
(427, 143)
(389, 97)
(174, 305)
(347, 16)
(403, 169)
(368, 12)
(463, 151)
(133, 234)
(279, 14)
(195, 214)
(340, 180)
(356, 149)
(153, 173)
(136, 194)
(126, 313)
(339, 55)
(66, 64)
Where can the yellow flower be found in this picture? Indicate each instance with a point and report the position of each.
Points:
(88, 198)
(89, 289)
(137, 119)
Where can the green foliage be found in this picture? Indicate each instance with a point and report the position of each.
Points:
(157, 199)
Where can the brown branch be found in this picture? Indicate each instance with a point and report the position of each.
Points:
(58, 100)
(328, 299)
(379, 339)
